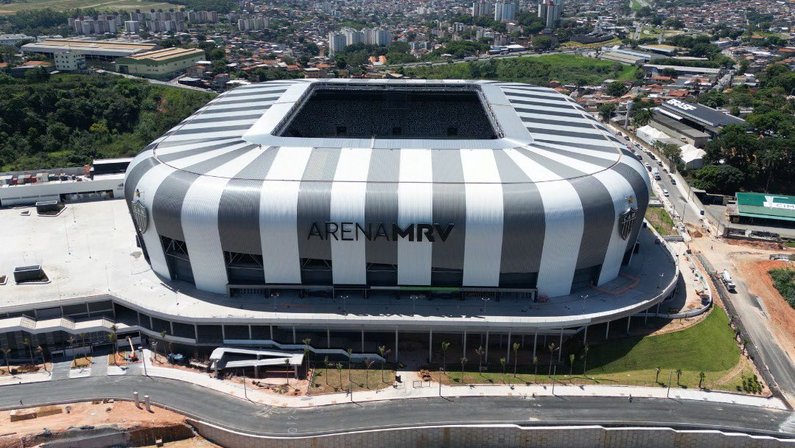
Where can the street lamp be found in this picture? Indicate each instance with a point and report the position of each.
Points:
(659, 282)
(414, 299)
(344, 307)
(583, 297)
(485, 300)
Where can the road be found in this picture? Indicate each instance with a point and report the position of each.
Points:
(244, 416)
(753, 320)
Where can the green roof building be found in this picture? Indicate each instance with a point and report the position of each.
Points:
(772, 209)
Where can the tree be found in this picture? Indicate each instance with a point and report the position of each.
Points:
(6, 352)
(26, 342)
(445, 346)
(287, 369)
(71, 341)
(571, 363)
(463, 361)
(113, 337)
(616, 89)
(701, 377)
(723, 179)
(606, 111)
(502, 364)
(641, 118)
(40, 351)
(163, 334)
(479, 351)
(339, 371)
(325, 367)
(543, 43)
(657, 375)
(585, 359)
(307, 342)
(367, 364)
(350, 356)
(678, 375)
(516, 347)
(384, 352)
(551, 348)
(535, 365)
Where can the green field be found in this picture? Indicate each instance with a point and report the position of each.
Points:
(62, 5)
(707, 347)
(540, 70)
(660, 220)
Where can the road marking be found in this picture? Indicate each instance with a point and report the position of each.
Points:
(789, 425)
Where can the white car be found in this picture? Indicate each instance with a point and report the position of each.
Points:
(665, 193)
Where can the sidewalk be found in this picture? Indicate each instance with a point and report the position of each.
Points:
(406, 390)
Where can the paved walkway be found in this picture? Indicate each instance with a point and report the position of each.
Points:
(60, 369)
(99, 365)
(407, 390)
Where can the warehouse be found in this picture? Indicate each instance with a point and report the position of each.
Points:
(160, 63)
(337, 185)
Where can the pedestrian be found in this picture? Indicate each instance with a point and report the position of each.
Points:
(630, 398)
(20, 402)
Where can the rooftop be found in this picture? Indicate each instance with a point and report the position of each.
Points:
(166, 54)
(769, 206)
(89, 250)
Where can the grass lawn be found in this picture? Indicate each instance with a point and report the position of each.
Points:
(635, 5)
(61, 5)
(660, 220)
(607, 43)
(362, 379)
(708, 346)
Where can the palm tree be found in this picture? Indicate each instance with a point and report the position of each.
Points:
(479, 351)
(585, 359)
(701, 377)
(71, 341)
(163, 334)
(40, 351)
(657, 375)
(571, 363)
(384, 352)
(678, 374)
(502, 363)
(367, 364)
(445, 346)
(325, 366)
(551, 348)
(83, 344)
(26, 341)
(287, 369)
(306, 342)
(339, 371)
(113, 337)
(516, 347)
(535, 364)
(6, 351)
(463, 363)
(350, 352)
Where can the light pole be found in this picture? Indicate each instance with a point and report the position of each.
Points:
(554, 372)
(154, 348)
(583, 297)
(245, 392)
(659, 282)
(344, 307)
(440, 382)
(414, 299)
(485, 301)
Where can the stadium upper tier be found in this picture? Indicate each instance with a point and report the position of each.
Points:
(410, 184)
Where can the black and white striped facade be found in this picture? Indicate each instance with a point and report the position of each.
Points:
(222, 200)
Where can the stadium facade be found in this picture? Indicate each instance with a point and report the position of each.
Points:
(384, 184)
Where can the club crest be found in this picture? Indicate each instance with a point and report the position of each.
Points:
(140, 216)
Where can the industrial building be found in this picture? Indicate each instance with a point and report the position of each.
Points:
(160, 63)
(106, 50)
(763, 209)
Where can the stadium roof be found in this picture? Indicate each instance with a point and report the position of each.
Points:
(767, 206)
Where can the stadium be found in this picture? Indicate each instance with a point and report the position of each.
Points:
(335, 184)
(354, 214)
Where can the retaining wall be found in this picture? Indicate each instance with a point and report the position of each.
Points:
(501, 436)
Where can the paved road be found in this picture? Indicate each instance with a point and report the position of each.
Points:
(244, 416)
(773, 358)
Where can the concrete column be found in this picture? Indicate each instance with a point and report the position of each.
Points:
(223, 332)
(195, 332)
(328, 338)
(560, 346)
(585, 336)
(294, 340)
(362, 340)
(508, 348)
(256, 368)
(430, 345)
(250, 334)
(487, 347)
(147, 403)
(464, 348)
(535, 340)
(271, 328)
(607, 332)
(629, 321)
(135, 399)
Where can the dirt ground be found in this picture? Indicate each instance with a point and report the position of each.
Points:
(121, 413)
(779, 312)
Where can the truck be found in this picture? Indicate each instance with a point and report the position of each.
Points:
(726, 278)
